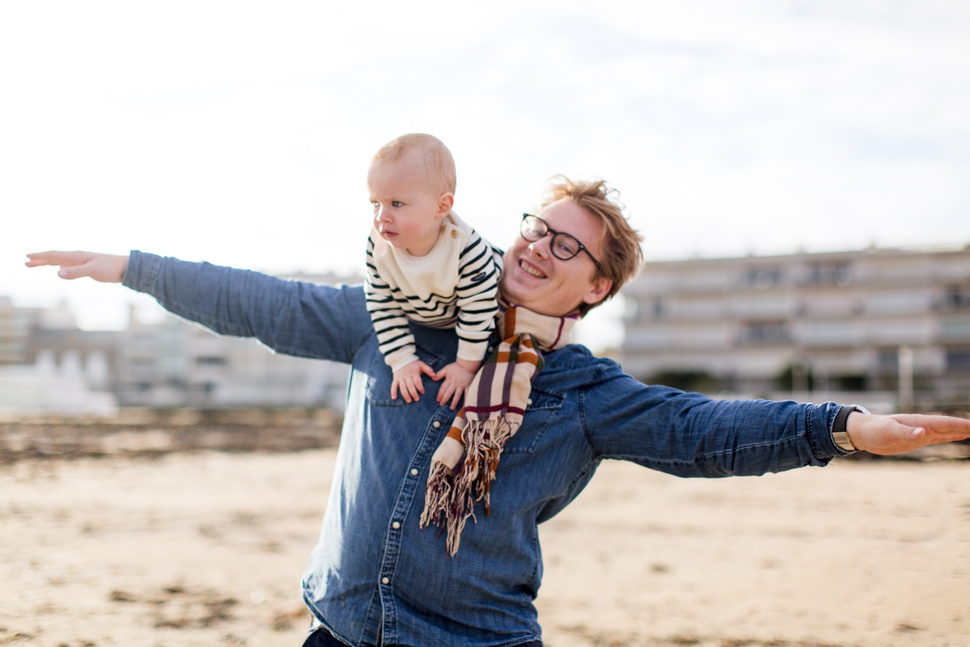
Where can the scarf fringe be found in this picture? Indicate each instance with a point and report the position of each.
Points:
(452, 492)
(463, 467)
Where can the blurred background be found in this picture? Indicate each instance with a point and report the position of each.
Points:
(240, 133)
(799, 169)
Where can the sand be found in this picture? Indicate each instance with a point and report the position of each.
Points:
(206, 548)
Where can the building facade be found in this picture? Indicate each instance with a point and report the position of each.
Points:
(877, 320)
(49, 365)
(174, 363)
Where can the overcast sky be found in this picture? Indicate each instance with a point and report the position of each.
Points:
(240, 132)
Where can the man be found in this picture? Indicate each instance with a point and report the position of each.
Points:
(385, 572)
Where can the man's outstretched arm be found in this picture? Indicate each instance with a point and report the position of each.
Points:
(291, 317)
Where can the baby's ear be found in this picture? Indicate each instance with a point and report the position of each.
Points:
(445, 202)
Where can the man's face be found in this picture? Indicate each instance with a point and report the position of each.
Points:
(407, 211)
(534, 278)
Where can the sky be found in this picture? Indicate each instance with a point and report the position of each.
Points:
(240, 132)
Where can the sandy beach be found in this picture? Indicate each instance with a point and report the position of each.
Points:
(205, 547)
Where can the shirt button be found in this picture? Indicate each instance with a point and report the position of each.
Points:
(385, 580)
(435, 424)
(396, 525)
(414, 471)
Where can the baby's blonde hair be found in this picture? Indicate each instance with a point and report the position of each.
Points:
(439, 165)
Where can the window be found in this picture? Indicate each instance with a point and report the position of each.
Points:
(833, 273)
(210, 360)
(957, 296)
(765, 332)
(958, 360)
(887, 359)
(763, 277)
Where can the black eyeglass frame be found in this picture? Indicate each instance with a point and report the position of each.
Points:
(556, 234)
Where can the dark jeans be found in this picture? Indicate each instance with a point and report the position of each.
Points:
(322, 638)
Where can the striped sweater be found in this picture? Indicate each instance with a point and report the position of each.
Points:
(454, 285)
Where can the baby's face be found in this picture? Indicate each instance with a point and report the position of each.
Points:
(407, 210)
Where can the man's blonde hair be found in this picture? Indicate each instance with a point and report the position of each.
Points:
(439, 165)
(620, 252)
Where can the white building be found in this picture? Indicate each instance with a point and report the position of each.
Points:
(176, 363)
(48, 365)
(885, 320)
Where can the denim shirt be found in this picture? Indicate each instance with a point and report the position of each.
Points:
(374, 575)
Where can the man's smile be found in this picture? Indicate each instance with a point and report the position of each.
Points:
(531, 270)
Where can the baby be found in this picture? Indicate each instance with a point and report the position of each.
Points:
(427, 265)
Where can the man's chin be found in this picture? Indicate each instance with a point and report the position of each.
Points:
(517, 291)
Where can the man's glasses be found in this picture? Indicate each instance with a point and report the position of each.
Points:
(564, 246)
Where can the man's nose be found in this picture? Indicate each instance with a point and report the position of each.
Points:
(541, 247)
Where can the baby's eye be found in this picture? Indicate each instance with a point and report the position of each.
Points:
(397, 204)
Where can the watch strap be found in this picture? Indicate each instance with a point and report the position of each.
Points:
(840, 435)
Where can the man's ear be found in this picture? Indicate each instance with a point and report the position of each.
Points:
(445, 202)
(598, 291)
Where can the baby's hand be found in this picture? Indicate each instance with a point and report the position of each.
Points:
(457, 377)
(408, 380)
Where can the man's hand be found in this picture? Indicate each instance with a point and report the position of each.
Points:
(107, 268)
(903, 432)
(457, 376)
(407, 380)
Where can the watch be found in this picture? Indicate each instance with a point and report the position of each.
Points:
(840, 436)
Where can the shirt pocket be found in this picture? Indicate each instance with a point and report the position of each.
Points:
(544, 411)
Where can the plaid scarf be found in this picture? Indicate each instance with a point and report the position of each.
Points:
(463, 466)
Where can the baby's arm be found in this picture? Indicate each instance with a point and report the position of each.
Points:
(394, 338)
(477, 309)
